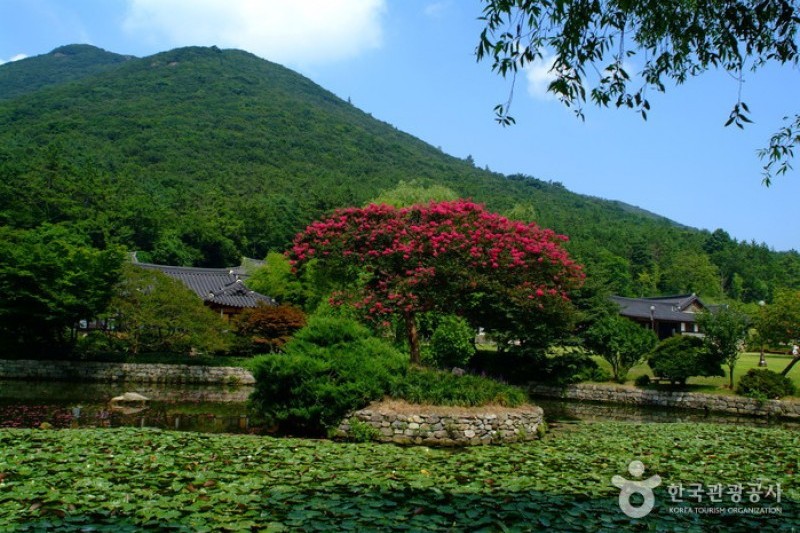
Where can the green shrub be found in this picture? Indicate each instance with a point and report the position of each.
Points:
(680, 357)
(267, 328)
(765, 384)
(642, 381)
(572, 367)
(452, 342)
(512, 367)
(362, 431)
(621, 342)
(428, 386)
(521, 366)
(98, 344)
(328, 330)
(330, 368)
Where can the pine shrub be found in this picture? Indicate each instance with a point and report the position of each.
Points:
(765, 384)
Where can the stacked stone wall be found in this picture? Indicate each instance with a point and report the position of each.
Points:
(715, 403)
(133, 372)
(432, 426)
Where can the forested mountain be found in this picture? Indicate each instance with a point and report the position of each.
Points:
(199, 155)
(65, 63)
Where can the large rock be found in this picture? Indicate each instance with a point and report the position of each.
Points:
(129, 403)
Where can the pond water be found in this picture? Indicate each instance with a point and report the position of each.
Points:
(210, 409)
(219, 409)
(559, 413)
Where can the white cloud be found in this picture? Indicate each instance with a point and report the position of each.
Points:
(437, 9)
(291, 32)
(15, 58)
(540, 74)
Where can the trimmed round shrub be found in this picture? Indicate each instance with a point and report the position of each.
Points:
(452, 343)
(765, 384)
(331, 367)
(680, 357)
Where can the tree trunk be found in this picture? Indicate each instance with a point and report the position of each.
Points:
(730, 374)
(413, 337)
(790, 365)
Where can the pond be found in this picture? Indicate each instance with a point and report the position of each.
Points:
(559, 413)
(220, 409)
(202, 408)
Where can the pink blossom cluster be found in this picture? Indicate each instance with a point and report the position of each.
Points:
(415, 256)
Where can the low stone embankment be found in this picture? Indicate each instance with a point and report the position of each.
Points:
(716, 403)
(112, 372)
(402, 423)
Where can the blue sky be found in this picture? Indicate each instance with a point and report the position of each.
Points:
(410, 63)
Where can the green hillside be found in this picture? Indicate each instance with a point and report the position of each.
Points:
(199, 155)
(65, 63)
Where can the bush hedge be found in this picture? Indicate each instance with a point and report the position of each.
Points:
(436, 387)
(330, 368)
(334, 366)
(452, 343)
(765, 384)
(680, 357)
(521, 366)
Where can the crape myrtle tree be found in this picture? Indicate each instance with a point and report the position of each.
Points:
(592, 42)
(451, 256)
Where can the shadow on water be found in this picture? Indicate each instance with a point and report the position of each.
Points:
(208, 409)
(560, 413)
(221, 409)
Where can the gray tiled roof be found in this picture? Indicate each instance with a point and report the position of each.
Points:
(665, 308)
(222, 286)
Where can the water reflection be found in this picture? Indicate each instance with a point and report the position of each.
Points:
(218, 409)
(558, 412)
(205, 409)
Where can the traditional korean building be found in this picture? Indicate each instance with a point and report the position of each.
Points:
(222, 289)
(666, 315)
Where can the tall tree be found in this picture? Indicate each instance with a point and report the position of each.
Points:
(780, 321)
(445, 256)
(156, 313)
(725, 332)
(672, 39)
(407, 193)
(50, 279)
(621, 342)
(692, 272)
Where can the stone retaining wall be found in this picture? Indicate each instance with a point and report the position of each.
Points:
(112, 372)
(190, 395)
(436, 426)
(717, 403)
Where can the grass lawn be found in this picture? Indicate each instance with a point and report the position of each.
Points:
(719, 385)
(131, 479)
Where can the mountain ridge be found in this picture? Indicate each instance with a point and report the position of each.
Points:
(198, 155)
(63, 64)
(108, 60)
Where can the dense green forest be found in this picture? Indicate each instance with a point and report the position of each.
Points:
(198, 156)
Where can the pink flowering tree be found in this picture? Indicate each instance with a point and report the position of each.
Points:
(453, 257)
